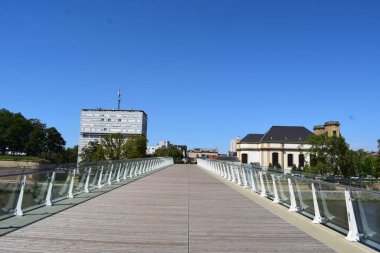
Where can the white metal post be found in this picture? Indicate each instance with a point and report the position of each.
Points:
(50, 189)
(245, 181)
(263, 191)
(71, 195)
(100, 178)
(125, 171)
(276, 199)
(87, 181)
(118, 174)
(253, 185)
(18, 210)
(353, 233)
(293, 204)
(110, 176)
(317, 214)
(137, 166)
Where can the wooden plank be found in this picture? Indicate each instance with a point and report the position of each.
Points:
(179, 209)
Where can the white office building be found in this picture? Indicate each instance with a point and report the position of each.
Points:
(98, 123)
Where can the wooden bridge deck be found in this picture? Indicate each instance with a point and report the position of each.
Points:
(179, 209)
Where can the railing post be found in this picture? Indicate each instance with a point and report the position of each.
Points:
(86, 190)
(48, 195)
(233, 174)
(317, 214)
(137, 167)
(110, 176)
(125, 171)
(293, 204)
(71, 195)
(131, 170)
(253, 185)
(18, 210)
(238, 175)
(245, 181)
(276, 199)
(118, 174)
(263, 191)
(353, 234)
(100, 178)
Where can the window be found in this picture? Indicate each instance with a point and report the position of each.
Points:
(290, 160)
(119, 120)
(301, 159)
(101, 119)
(109, 120)
(244, 158)
(334, 133)
(275, 159)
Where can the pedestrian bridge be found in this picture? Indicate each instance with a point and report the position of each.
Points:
(153, 206)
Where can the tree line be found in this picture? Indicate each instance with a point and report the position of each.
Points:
(19, 135)
(117, 147)
(332, 155)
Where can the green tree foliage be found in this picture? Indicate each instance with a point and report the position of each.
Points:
(115, 147)
(92, 152)
(329, 154)
(332, 155)
(135, 147)
(30, 136)
(170, 151)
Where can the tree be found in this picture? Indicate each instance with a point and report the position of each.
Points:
(114, 146)
(37, 138)
(171, 151)
(92, 152)
(330, 155)
(135, 147)
(376, 169)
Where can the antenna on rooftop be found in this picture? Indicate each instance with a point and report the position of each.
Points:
(118, 99)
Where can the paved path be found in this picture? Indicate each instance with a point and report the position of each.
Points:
(179, 209)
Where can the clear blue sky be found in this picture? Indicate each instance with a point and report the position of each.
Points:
(204, 71)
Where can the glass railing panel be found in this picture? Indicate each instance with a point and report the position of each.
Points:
(367, 214)
(9, 192)
(80, 179)
(268, 182)
(106, 172)
(283, 189)
(332, 205)
(94, 177)
(61, 184)
(35, 190)
(304, 194)
(256, 178)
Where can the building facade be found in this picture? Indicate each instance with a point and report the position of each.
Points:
(203, 152)
(284, 146)
(331, 128)
(95, 124)
(233, 146)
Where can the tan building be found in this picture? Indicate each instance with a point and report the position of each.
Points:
(203, 152)
(332, 128)
(285, 146)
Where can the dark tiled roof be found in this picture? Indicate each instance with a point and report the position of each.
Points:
(286, 134)
(252, 138)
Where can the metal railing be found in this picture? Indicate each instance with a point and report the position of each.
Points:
(28, 189)
(351, 211)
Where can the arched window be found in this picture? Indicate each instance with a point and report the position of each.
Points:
(274, 158)
(301, 159)
(290, 160)
(244, 158)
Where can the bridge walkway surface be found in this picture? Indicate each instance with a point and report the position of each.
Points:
(179, 209)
